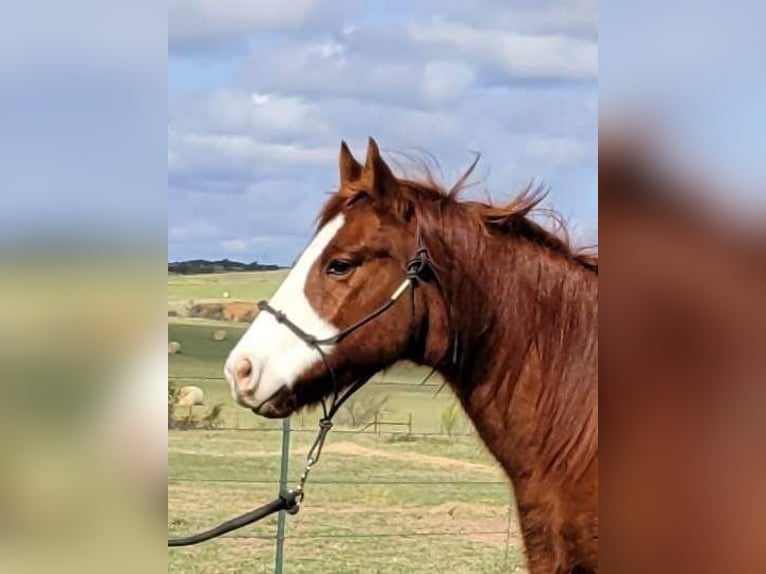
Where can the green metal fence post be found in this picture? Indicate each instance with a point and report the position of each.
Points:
(508, 539)
(280, 555)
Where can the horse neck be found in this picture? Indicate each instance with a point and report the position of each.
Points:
(524, 322)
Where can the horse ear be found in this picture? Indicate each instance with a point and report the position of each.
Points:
(350, 169)
(376, 171)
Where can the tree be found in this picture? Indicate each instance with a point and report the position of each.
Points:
(362, 408)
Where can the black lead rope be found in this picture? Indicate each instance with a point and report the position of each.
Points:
(286, 501)
(291, 500)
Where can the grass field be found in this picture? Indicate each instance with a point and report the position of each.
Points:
(249, 286)
(387, 502)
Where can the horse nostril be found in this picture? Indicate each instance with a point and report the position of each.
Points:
(242, 371)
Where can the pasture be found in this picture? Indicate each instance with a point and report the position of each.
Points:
(248, 286)
(391, 501)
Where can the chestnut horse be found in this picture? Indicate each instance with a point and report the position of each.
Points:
(507, 313)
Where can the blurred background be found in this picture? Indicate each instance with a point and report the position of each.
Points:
(682, 200)
(82, 284)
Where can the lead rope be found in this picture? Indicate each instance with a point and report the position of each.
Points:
(291, 500)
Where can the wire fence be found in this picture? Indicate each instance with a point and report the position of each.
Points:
(366, 494)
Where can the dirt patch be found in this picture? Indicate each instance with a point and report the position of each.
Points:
(353, 449)
(207, 310)
(226, 454)
(239, 312)
(215, 310)
(479, 523)
(219, 497)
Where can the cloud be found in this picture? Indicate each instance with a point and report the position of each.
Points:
(559, 150)
(518, 55)
(233, 111)
(417, 63)
(237, 246)
(255, 149)
(237, 149)
(575, 18)
(205, 21)
(271, 177)
(194, 229)
(313, 69)
(445, 80)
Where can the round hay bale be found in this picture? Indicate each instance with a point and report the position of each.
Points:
(190, 396)
(174, 347)
(219, 335)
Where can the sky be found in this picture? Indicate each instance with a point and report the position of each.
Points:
(693, 72)
(83, 120)
(213, 128)
(260, 95)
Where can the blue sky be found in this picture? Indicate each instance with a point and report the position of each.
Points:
(694, 70)
(82, 119)
(261, 93)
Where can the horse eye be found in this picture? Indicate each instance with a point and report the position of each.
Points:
(340, 267)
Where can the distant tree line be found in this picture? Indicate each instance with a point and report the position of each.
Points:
(198, 266)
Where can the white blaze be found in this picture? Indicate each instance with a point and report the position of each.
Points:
(277, 355)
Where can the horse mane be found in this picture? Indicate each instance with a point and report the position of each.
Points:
(559, 328)
(513, 219)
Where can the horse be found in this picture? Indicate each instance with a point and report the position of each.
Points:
(503, 309)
